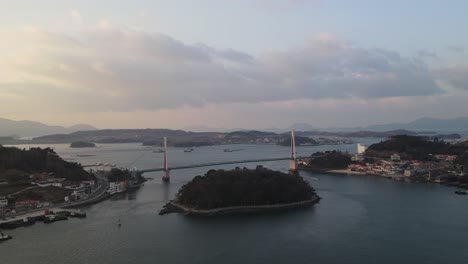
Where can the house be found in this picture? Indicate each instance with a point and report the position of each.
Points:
(26, 204)
(395, 157)
(357, 157)
(3, 201)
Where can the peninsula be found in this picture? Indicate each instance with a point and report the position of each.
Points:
(241, 191)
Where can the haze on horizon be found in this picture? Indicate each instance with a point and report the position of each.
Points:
(228, 64)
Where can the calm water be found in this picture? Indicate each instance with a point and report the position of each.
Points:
(360, 220)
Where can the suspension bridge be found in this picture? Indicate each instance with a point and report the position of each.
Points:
(166, 169)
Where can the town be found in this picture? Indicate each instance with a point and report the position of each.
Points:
(445, 167)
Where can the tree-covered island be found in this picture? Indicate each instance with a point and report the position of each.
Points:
(244, 190)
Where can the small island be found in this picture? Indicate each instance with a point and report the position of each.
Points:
(82, 144)
(241, 191)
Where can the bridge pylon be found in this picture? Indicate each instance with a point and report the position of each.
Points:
(293, 160)
(166, 177)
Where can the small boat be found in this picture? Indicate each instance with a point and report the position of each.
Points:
(231, 150)
(158, 151)
(18, 223)
(118, 223)
(462, 192)
(4, 237)
(79, 214)
(188, 150)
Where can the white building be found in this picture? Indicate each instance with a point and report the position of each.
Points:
(3, 201)
(361, 148)
(116, 187)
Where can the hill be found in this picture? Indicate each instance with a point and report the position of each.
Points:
(27, 128)
(17, 164)
(424, 124)
(414, 147)
(244, 187)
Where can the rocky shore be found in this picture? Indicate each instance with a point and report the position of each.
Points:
(173, 207)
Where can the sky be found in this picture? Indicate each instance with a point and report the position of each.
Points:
(232, 64)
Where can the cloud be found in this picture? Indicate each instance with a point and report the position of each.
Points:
(455, 75)
(76, 18)
(114, 69)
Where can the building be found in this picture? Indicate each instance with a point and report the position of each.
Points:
(357, 157)
(116, 187)
(361, 148)
(395, 157)
(3, 201)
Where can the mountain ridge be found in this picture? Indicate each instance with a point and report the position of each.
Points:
(27, 128)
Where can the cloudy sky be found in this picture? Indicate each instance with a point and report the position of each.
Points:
(232, 63)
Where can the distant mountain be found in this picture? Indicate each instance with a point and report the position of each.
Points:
(439, 125)
(27, 128)
(426, 124)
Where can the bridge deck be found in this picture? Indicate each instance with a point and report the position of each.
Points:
(222, 163)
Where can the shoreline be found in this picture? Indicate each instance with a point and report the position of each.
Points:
(173, 207)
(395, 177)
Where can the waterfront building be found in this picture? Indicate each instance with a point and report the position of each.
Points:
(116, 187)
(357, 157)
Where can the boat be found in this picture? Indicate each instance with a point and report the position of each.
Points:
(158, 151)
(462, 192)
(79, 214)
(18, 223)
(4, 237)
(55, 217)
(231, 150)
(188, 150)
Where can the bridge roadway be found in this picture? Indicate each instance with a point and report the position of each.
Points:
(224, 163)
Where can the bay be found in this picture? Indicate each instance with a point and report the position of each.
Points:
(361, 219)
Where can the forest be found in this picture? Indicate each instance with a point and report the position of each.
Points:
(37, 160)
(415, 147)
(240, 187)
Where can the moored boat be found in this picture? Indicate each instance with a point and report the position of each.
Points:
(462, 192)
(54, 218)
(4, 237)
(79, 214)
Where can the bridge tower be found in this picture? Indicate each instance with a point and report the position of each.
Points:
(293, 161)
(165, 177)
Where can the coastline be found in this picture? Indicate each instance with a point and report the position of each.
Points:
(173, 207)
(395, 177)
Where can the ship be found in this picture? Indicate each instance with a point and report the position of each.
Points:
(55, 217)
(462, 192)
(4, 237)
(231, 150)
(158, 151)
(188, 150)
